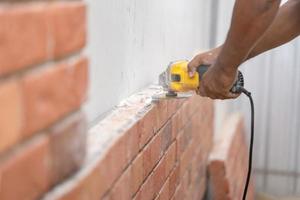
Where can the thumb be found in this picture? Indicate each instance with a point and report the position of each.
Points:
(191, 69)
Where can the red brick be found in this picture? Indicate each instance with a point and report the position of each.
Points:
(173, 105)
(78, 72)
(162, 113)
(68, 146)
(1, 177)
(151, 154)
(174, 179)
(92, 186)
(164, 167)
(147, 125)
(11, 115)
(131, 138)
(46, 99)
(160, 174)
(137, 173)
(23, 37)
(186, 160)
(184, 113)
(185, 182)
(171, 158)
(68, 27)
(199, 164)
(177, 124)
(122, 189)
(191, 107)
(116, 159)
(125, 148)
(107, 197)
(164, 193)
(217, 175)
(198, 190)
(26, 173)
(184, 139)
(98, 179)
(179, 193)
(147, 191)
(166, 134)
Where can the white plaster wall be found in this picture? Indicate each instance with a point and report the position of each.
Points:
(132, 41)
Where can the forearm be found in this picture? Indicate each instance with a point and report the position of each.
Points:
(250, 20)
(285, 28)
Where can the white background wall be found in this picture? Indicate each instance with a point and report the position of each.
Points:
(132, 41)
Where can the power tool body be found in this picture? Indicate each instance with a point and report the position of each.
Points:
(177, 83)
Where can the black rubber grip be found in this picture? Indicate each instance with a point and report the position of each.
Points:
(237, 86)
(201, 70)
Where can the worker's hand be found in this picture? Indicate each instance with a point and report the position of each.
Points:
(216, 82)
(206, 58)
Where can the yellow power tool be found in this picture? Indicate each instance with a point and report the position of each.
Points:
(178, 84)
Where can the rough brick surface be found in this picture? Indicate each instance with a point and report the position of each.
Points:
(67, 146)
(26, 173)
(51, 93)
(229, 162)
(121, 189)
(68, 27)
(11, 114)
(48, 31)
(43, 84)
(23, 29)
(147, 126)
(137, 173)
(133, 153)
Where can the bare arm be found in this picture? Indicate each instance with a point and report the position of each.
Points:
(250, 21)
(285, 28)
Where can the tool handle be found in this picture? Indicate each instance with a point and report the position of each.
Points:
(237, 86)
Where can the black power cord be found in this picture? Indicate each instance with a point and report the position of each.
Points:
(248, 94)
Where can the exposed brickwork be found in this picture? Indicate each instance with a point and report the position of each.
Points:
(49, 30)
(43, 84)
(26, 173)
(67, 25)
(11, 116)
(140, 151)
(31, 21)
(229, 162)
(46, 99)
(67, 146)
(154, 170)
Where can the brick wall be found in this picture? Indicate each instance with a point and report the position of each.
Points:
(228, 162)
(140, 151)
(145, 151)
(43, 83)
